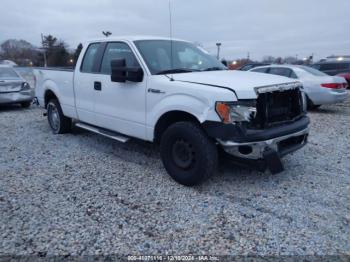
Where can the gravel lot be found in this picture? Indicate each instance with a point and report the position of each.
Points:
(83, 194)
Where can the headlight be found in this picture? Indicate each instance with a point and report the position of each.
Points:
(240, 111)
(25, 86)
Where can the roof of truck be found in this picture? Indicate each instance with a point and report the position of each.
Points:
(132, 38)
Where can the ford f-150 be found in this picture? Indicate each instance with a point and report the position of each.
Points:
(175, 94)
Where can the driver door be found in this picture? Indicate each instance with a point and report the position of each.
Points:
(120, 106)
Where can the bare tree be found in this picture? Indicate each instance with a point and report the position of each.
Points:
(269, 59)
(56, 51)
(19, 51)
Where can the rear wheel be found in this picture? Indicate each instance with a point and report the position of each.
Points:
(188, 154)
(311, 105)
(314, 107)
(26, 104)
(58, 122)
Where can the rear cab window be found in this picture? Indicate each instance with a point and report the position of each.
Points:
(90, 56)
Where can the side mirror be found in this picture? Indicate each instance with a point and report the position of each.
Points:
(121, 73)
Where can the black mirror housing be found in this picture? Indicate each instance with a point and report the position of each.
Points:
(121, 73)
(118, 70)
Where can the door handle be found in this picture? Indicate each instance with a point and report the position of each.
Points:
(98, 86)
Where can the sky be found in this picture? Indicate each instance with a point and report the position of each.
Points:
(258, 27)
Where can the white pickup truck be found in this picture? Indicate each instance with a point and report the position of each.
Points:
(173, 93)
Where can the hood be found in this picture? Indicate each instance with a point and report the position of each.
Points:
(241, 82)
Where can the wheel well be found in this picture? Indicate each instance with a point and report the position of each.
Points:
(48, 96)
(170, 118)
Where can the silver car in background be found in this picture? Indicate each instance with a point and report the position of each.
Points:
(320, 89)
(14, 89)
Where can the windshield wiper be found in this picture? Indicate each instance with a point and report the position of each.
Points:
(176, 71)
(215, 68)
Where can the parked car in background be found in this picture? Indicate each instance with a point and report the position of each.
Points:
(333, 67)
(14, 89)
(192, 105)
(319, 87)
(249, 66)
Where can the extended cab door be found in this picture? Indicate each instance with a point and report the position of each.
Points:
(120, 106)
(84, 79)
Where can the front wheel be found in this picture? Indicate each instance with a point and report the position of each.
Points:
(58, 122)
(188, 154)
(311, 105)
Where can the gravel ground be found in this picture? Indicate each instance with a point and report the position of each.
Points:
(83, 194)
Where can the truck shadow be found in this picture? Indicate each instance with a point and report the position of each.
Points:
(147, 155)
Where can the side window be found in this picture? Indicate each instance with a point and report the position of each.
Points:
(260, 70)
(117, 51)
(325, 67)
(293, 74)
(89, 58)
(280, 71)
(342, 66)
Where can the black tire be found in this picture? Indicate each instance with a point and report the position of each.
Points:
(26, 104)
(311, 105)
(314, 107)
(58, 122)
(188, 154)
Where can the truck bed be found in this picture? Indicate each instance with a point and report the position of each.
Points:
(61, 82)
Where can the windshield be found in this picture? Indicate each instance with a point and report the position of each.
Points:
(312, 71)
(8, 73)
(185, 57)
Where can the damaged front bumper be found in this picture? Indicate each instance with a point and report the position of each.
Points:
(263, 148)
(283, 145)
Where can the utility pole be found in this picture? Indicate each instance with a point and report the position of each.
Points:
(312, 58)
(218, 55)
(42, 43)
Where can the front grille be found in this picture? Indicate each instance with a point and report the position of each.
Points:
(277, 107)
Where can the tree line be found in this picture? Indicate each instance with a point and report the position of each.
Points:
(56, 53)
(53, 52)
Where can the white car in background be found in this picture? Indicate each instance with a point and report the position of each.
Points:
(320, 88)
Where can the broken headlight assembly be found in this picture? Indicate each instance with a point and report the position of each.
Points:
(239, 111)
